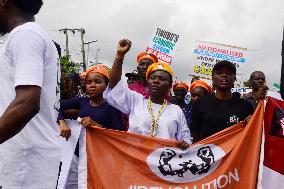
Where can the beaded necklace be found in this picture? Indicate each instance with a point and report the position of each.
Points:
(154, 124)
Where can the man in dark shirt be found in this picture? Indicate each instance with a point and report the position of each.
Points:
(256, 82)
(221, 110)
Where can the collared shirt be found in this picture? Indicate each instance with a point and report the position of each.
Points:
(249, 97)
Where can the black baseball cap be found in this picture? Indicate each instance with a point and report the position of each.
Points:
(225, 63)
(132, 74)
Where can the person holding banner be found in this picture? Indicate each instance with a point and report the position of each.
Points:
(144, 60)
(221, 110)
(155, 116)
(180, 90)
(94, 110)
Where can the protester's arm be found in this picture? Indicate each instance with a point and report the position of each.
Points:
(116, 119)
(261, 93)
(26, 51)
(74, 103)
(21, 110)
(65, 131)
(183, 135)
(116, 70)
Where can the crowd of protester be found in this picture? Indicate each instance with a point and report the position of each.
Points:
(152, 104)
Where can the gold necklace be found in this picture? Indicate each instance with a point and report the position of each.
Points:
(154, 124)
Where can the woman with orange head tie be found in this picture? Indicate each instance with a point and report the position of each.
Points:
(153, 116)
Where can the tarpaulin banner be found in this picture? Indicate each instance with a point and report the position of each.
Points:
(228, 159)
(273, 173)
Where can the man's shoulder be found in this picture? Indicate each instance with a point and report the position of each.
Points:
(28, 31)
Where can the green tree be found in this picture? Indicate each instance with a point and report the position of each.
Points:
(246, 83)
(69, 66)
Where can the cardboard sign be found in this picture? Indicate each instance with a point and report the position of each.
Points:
(207, 54)
(163, 45)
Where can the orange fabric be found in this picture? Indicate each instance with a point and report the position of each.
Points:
(159, 66)
(200, 83)
(83, 75)
(144, 55)
(100, 68)
(180, 84)
(125, 160)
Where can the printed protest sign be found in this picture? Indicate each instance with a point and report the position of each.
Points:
(207, 54)
(163, 45)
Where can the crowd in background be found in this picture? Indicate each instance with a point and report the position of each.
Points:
(153, 104)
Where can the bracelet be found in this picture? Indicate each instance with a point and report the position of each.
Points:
(119, 57)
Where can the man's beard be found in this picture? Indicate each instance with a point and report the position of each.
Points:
(3, 28)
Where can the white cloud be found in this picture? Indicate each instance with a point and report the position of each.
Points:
(254, 24)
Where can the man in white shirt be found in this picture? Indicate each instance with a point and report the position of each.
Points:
(29, 96)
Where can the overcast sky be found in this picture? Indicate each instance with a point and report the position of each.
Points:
(253, 24)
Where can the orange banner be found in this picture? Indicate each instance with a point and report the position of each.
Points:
(228, 159)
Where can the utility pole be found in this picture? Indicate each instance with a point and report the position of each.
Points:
(97, 56)
(88, 50)
(82, 31)
(83, 48)
(65, 31)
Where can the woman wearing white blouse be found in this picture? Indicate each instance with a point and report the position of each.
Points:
(154, 116)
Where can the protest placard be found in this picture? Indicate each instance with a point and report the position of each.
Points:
(207, 54)
(163, 45)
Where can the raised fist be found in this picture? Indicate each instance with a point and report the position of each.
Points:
(123, 47)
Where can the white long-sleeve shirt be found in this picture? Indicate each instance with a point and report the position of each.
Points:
(171, 124)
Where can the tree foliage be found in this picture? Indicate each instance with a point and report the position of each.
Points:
(69, 66)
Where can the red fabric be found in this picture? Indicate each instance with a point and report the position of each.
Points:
(139, 88)
(273, 147)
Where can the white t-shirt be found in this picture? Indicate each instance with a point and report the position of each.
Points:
(31, 158)
(171, 124)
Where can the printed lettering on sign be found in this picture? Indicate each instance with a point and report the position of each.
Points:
(163, 45)
(207, 54)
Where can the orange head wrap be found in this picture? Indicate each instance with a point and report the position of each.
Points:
(144, 55)
(159, 66)
(200, 83)
(180, 84)
(100, 68)
(82, 75)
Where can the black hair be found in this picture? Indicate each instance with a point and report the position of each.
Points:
(27, 6)
(194, 78)
(254, 73)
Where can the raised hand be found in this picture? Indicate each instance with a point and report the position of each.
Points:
(123, 47)
(261, 93)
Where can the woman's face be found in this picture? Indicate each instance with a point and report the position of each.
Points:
(95, 84)
(143, 67)
(223, 78)
(196, 93)
(159, 83)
